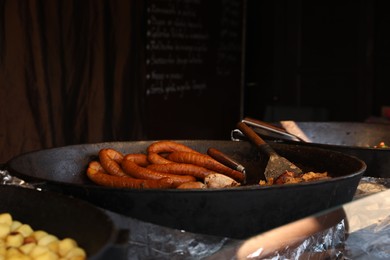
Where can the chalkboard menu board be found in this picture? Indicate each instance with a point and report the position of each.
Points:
(192, 76)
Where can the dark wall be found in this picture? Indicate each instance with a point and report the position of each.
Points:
(75, 72)
(192, 64)
(94, 71)
(326, 58)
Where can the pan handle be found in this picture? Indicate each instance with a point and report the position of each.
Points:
(225, 159)
(252, 135)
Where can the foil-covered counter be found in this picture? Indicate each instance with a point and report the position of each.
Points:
(356, 230)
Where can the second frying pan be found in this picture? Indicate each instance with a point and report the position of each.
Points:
(61, 216)
(353, 138)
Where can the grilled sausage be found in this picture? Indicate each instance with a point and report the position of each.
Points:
(182, 169)
(96, 174)
(206, 161)
(110, 160)
(136, 171)
(155, 150)
(138, 158)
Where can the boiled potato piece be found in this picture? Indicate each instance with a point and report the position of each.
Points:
(27, 248)
(48, 255)
(74, 252)
(19, 241)
(15, 225)
(39, 234)
(14, 240)
(6, 218)
(66, 245)
(5, 229)
(45, 240)
(25, 230)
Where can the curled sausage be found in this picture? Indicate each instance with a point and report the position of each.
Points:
(182, 169)
(138, 158)
(155, 150)
(96, 174)
(156, 158)
(136, 171)
(168, 146)
(110, 160)
(206, 162)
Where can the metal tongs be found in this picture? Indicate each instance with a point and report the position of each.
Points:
(263, 128)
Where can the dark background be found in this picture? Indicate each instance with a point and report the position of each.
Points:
(193, 64)
(74, 71)
(317, 60)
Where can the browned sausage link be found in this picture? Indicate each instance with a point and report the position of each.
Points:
(168, 146)
(192, 185)
(139, 172)
(182, 169)
(96, 174)
(206, 161)
(110, 159)
(138, 158)
(155, 149)
(156, 158)
(96, 166)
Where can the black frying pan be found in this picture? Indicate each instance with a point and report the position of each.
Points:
(234, 212)
(354, 138)
(61, 216)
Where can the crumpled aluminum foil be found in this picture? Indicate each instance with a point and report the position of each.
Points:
(365, 234)
(7, 179)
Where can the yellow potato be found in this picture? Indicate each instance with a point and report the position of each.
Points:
(38, 234)
(3, 250)
(38, 250)
(25, 230)
(27, 248)
(44, 241)
(54, 246)
(48, 255)
(13, 252)
(15, 225)
(6, 218)
(78, 257)
(18, 241)
(76, 251)
(14, 240)
(65, 245)
(18, 257)
(5, 229)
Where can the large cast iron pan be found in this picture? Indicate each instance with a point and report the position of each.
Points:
(234, 212)
(61, 216)
(354, 138)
